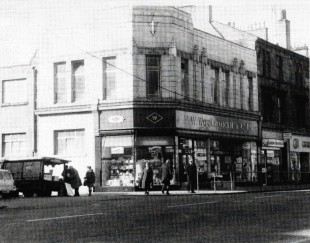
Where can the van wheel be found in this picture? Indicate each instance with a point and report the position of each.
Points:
(47, 193)
(44, 193)
(14, 194)
(28, 194)
(5, 195)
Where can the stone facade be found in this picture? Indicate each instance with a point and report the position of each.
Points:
(17, 117)
(221, 85)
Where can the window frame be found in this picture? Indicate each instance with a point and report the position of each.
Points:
(22, 149)
(108, 68)
(56, 83)
(250, 98)
(215, 85)
(225, 90)
(75, 76)
(77, 151)
(156, 69)
(21, 102)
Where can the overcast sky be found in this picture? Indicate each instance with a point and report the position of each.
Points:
(21, 20)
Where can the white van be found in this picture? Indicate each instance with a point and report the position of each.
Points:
(7, 185)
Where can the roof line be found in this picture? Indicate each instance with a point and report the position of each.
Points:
(217, 30)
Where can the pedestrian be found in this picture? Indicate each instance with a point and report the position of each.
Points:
(89, 180)
(75, 180)
(166, 176)
(66, 174)
(147, 179)
(191, 171)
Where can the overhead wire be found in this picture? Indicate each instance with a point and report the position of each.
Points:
(122, 70)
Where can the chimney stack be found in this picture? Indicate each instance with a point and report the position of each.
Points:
(210, 14)
(283, 32)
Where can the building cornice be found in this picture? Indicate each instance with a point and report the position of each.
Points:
(65, 110)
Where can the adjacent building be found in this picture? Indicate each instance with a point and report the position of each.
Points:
(283, 78)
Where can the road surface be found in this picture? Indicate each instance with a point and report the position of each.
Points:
(106, 217)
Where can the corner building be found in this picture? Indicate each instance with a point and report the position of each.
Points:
(145, 87)
(194, 95)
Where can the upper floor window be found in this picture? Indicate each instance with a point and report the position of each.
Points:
(267, 64)
(250, 92)
(109, 80)
(153, 76)
(184, 78)
(279, 65)
(215, 84)
(235, 90)
(14, 91)
(14, 145)
(273, 106)
(225, 87)
(78, 81)
(60, 89)
(301, 110)
(298, 75)
(69, 142)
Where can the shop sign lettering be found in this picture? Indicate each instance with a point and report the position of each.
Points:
(154, 118)
(116, 119)
(215, 123)
(306, 144)
(300, 144)
(273, 143)
(201, 122)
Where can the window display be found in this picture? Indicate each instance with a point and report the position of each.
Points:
(118, 170)
(155, 156)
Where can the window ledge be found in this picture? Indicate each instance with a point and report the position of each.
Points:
(14, 104)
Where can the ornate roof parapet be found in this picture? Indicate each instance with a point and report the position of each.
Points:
(196, 54)
(204, 56)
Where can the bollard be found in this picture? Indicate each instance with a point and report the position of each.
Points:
(231, 182)
(214, 183)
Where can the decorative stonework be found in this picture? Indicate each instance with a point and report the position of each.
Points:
(235, 65)
(195, 54)
(242, 67)
(154, 118)
(152, 25)
(204, 57)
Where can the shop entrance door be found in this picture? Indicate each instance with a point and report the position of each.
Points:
(304, 167)
(183, 161)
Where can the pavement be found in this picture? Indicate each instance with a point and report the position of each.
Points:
(159, 193)
(177, 192)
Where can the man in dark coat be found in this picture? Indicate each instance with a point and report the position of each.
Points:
(166, 176)
(75, 180)
(147, 178)
(191, 171)
(89, 179)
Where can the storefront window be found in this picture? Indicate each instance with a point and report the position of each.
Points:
(117, 165)
(186, 152)
(153, 150)
(201, 156)
(233, 160)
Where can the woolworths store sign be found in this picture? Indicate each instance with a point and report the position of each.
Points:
(210, 123)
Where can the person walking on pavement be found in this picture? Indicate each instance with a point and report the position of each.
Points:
(191, 171)
(147, 179)
(75, 180)
(89, 180)
(166, 176)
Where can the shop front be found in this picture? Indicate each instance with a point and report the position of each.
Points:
(271, 166)
(223, 148)
(298, 166)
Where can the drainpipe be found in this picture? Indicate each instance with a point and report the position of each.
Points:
(35, 122)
